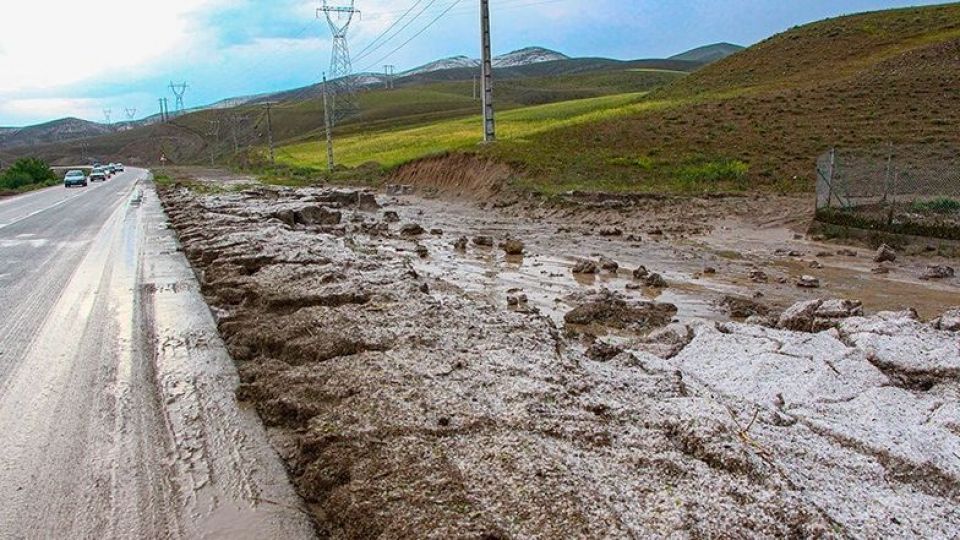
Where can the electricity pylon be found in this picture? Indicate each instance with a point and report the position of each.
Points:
(178, 91)
(341, 70)
(388, 74)
(106, 114)
(131, 113)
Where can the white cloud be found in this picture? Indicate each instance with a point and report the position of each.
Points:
(45, 45)
(55, 107)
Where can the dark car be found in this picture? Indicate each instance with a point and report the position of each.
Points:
(75, 178)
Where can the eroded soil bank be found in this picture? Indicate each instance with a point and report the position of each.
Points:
(419, 381)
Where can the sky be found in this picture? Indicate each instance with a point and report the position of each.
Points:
(62, 58)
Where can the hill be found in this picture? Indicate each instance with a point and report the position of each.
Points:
(521, 57)
(708, 54)
(51, 132)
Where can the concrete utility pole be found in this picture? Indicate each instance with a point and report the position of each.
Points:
(163, 109)
(329, 127)
(388, 71)
(341, 69)
(489, 127)
(106, 114)
(475, 96)
(214, 132)
(178, 91)
(273, 159)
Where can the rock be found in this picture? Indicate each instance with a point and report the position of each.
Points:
(880, 270)
(436, 231)
(317, 215)
(286, 216)
(949, 321)
(512, 247)
(516, 299)
(391, 217)
(709, 270)
(424, 288)
(847, 252)
(411, 229)
(767, 321)
(483, 240)
(422, 251)
(632, 286)
(885, 254)
(608, 264)
(611, 309)
(819, 314)
(602, 351)
(655, 280)
(641, 272)
(815, 264)
(585, 266)
(460, 244)
(399, 189)
(609, 231)
(824, 254)
(808, 282)
(938, 271)
(759, 276)
(742, 308)
(367, 201)
(784, 252)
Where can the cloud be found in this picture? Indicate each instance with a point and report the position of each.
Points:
(54, 107)
(44, 46)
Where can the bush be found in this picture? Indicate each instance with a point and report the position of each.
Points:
(714, 172)
(940, 205)
(27, 172)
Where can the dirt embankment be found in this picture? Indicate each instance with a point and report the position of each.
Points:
(408, 403)
(456, 174)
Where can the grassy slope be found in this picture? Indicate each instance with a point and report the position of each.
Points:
(872, 79)
(757, 119)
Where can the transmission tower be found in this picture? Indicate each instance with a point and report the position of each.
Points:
(388, 71)
(178, 91)
(341, 70)
(106, 114)
(131, 113)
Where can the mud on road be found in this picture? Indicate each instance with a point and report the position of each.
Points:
(419, 381)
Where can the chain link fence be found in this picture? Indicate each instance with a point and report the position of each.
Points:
(900, 189)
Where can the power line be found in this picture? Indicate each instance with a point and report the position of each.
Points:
(415, 36)
(398, 32)
(395, 23)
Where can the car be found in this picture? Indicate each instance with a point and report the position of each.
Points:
(119, 167)
(99, 174)
(75, 178)
(111, 169)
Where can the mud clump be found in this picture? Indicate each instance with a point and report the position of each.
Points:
(817, 315)
(317, 215)
(461, 244)
(391, 216)
(656, 281)
(411, 229)
(483, 241)
(512, 247)
(585, 266)
(742, 308)
(608, 308)
(885, 254)
(938, 271)
(609, 264)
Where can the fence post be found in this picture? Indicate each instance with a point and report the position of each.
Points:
(833, 157)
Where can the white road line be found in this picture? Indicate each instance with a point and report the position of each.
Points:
(54, 205)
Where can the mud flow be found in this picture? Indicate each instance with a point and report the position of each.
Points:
(591, 367)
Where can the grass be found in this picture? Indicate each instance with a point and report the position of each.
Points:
(389, 148)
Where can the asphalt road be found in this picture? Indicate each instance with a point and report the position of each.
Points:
(117, 410)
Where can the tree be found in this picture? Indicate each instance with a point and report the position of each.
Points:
(27, 171)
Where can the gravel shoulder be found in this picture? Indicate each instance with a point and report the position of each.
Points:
(417, 385)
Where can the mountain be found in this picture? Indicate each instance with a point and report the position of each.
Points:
(65, 129)
(520, 57)
(527, 56)
(709, 54)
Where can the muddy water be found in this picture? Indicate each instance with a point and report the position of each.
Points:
(734, 247)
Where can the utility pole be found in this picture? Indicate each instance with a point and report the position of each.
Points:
(273, 158)
(214, 132)
(106, 113)
(329, 127)
(163, 108)
(341, 70)
(489, 127)
(234, 120)
(388, 71)
(475, 97)
(178, 91)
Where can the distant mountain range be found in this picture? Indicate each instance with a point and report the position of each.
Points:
(526, 62)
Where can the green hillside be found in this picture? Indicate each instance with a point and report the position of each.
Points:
(756, 120)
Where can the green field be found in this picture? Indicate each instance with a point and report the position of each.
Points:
(394, 147)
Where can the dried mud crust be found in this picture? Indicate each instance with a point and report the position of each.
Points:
(405, 406)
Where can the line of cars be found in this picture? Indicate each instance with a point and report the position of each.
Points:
(99, 173)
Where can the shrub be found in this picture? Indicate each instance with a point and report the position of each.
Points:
(26, 172)
(940, 205)
(714, 172)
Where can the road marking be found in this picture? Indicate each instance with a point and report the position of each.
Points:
(54, 205)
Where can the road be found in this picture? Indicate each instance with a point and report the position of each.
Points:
(117, 408)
